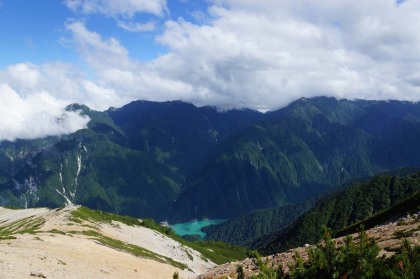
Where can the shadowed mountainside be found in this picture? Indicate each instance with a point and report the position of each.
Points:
(175, 161)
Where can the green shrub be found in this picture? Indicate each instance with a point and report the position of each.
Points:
(356, 258)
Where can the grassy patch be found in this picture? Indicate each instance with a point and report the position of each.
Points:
(132, 249)
(33, 226)
(7, 237)
(189, 255)
(151, 224)
(76, 220)
(405, 233)
(56, 231)
(29, 225)
(217, 252)
(84, 213)
(392, 249)
(11, 207)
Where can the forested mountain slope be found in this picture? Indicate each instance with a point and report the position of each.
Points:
(245, 228)
(175, 161)
(305, 149)
(342, 209)
(131, 160)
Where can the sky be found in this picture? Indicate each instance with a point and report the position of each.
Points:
(232, 54)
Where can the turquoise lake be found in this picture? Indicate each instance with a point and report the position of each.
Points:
(194, 227)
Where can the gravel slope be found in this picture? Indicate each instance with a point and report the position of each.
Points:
(57, 250)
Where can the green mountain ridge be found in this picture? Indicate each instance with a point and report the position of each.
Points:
(246, 228)
(175, 161)
(313, 146)
(344, 209)
(131, 160)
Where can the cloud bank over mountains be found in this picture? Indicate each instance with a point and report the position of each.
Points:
(241, 53)
(39, 115)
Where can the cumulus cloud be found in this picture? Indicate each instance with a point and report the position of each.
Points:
(116, 8)
(65, 83)
(118, 72)
(26, 75)
(122, 11)
(265, 54)
(36, 115)
(99, 53)
(256, 54)
(137, 27)
(33, 99)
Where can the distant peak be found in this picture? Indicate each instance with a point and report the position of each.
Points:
(76, 107)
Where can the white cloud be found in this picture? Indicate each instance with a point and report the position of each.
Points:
(27, 75)
(98, 53)
(137, 27)
(37, 115)
(265, 54)
(64, 82)
(257, 54)
(33, 100)
(117, 8)
(120, 73)
(122, 11)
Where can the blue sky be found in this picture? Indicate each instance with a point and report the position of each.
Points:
(29, 31)
(34, 30)
(226, 53)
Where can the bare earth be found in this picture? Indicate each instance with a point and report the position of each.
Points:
(65, 254)
(385, 236)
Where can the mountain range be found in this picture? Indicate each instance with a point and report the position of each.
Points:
(176, 161)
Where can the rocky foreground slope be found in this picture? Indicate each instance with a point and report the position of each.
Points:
(68, 243)
(388, 237)
(75, 242)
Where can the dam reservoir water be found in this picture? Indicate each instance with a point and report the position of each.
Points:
(194, 227)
